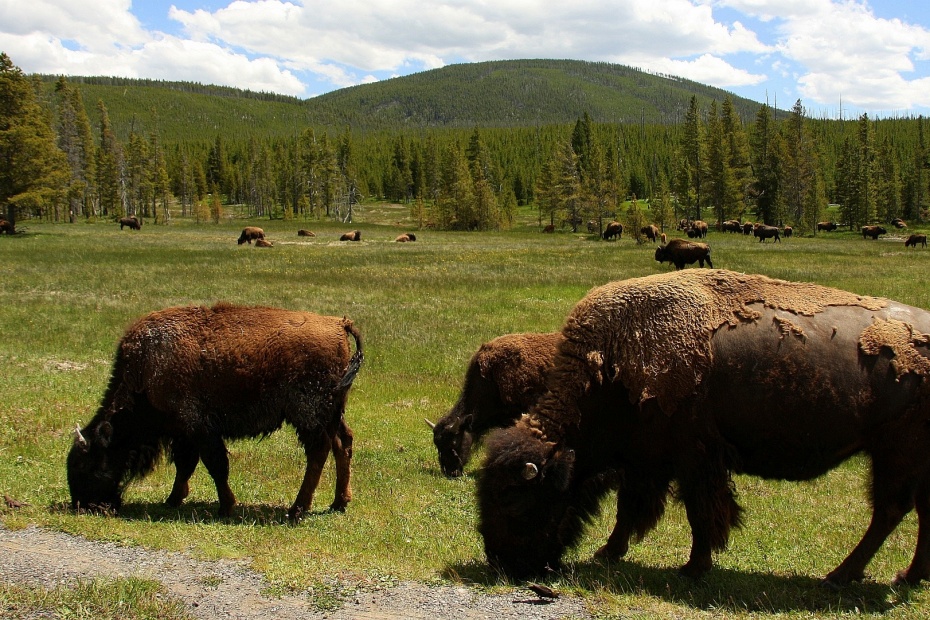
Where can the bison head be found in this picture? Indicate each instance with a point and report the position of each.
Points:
(94, 477)
(525, 502)
(453, 438)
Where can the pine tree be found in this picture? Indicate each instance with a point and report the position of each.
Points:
(75, 139)
(691, 163)
(109, 169)
(802, 184)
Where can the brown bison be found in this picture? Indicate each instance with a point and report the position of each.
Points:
(732, 226)
(263, 243)
(250, 234)
(186, 379)
(7, 227)
(913, 240)
(788, 232)
(355, 235)
(698, 229)
(827, 226)
(651, 232)
(504, 378)
(549, 228)
(764, 232)
(303, 232)
(873, 232)
(132, 222)
(680, 252)
(898, 223)
(689, 377)
(748, 228)
(614, 229)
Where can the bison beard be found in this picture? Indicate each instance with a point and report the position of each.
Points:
(504, 379)
(186, 379)
(758, 376)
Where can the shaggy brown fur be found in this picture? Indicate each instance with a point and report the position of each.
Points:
(355, 235)
(132, 222)
(6, 227)
(504, 379)
(681, 252)
(915, 239)
(873, 232)
(684, 379)
(764, 232)
(263, 243)
(651, 231)
(303, 232)
(185, 379)
(614, 229)
(250, 234)
(827, 226)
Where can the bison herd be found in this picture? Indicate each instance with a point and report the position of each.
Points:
(673, 381)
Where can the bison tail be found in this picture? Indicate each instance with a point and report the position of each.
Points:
(355, 362)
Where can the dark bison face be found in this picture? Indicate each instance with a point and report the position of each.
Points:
(453, 439)
(93, 480)
(524, 503)
(660, 253)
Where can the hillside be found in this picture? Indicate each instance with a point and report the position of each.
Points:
(490, 94)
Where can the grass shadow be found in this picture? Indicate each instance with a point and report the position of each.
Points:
(722, 590)
(206, 512)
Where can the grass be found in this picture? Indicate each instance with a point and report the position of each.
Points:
(423, 308)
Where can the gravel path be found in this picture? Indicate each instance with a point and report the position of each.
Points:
(229, 591)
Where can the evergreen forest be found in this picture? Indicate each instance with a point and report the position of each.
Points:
(466, 147)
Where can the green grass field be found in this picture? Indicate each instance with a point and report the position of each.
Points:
(69, 291)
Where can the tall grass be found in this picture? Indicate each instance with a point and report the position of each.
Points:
(69, 291)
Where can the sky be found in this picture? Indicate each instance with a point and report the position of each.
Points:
(841, 58)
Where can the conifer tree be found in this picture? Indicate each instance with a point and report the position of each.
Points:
(75, 139)
(109, 169)
(802, 183)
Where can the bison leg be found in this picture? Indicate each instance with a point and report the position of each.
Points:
(707, 493)
(342, 453)
(892, 499)
(317, 451)
(639, 507)
(185, 456)
(214, 456)
(920, 565)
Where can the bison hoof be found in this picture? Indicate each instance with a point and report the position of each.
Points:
(606, 552)
(908, 578)
(694, 570)
(338, 506)
(837, 579)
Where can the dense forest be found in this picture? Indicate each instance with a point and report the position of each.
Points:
(463, 146)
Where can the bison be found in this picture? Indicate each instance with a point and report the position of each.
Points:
(873, 231)
(250, 234)
(898, 223)
(764, 232)
(651, 232)
(680, 252)
(789, 232)
(263, 243)
(549, 228)
(913, 240)
(698, 229)
(732, 226)
(504, 378)
(614, 229)
(7, 227)
(748, 228)
(132, 222)
(303, 232)
(185, 379)
(827, 226)
(355, 235)
(690, 377)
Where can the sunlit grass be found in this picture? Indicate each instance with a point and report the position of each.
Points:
(423, 308)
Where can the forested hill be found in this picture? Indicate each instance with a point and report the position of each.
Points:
(521, 93)
(490, 94)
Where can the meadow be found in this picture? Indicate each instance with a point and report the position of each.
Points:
(69, 291)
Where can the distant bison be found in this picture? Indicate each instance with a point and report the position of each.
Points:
(748, 227)
(303, 232)
(873, 231)
(132, 222)
(651, 231)
(405, 238)
(732, 226)
(680, 252)
(913, 240)
(6, 226)
(185, 379)
(788, 232)
(549, 228)
(504, 378)
(698, 229)
(764, 232)
(250, 234)
(614, 229)
(827, 226)
(263, 243)
(681, 380)
(898, 223)
(355, 235)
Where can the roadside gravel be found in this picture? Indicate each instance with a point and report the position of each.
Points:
(226, 590)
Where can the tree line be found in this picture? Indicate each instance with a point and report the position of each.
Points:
(778, 168)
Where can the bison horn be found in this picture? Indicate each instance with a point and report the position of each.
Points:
(530, 471)
(78, 437)
(429, 424)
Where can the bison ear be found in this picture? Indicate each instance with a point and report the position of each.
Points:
(104, 434)
(530, 471)
(467, 421)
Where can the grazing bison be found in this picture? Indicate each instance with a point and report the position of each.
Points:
(250, 234)
(698, 229)
(680, 252)
(7, 227)
(827, 226)
(614, 229)
(355, 235)
(764, 232)
(689, 377)
(873, 231)
(748, 227)
(504, 378)
(132, 222)
(185, 379)
(913, 240)
(732, 226)
(303, 232)
(651, 231)
(549, 228)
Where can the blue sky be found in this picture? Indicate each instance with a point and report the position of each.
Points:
(849, 56)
